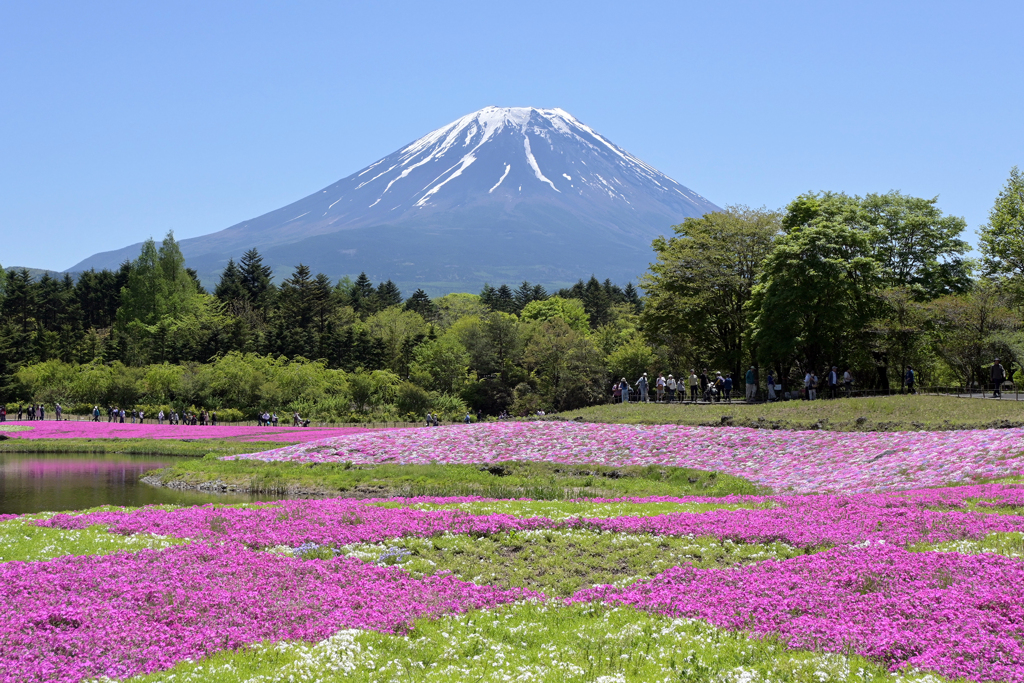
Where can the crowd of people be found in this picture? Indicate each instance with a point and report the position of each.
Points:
(707, 388)
(36, 411)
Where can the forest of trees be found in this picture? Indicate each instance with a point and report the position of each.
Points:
(872, 283)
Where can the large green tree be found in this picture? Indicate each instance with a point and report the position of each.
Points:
(698, 289)
(1002, 238)
(814, 299)
(158, 285)
(916, 246)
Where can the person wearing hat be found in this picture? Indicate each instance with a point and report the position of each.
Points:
(624, 385)
(751, 379)
(671, 385)
(641, 384)
(659, 387)
(998, 377)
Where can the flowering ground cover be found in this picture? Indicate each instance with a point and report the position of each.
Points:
(71, 429)
(742, 587)
(797, 461)
(533, 641)
(959, 615)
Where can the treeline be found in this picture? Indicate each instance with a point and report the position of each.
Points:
(150, 335)
(873, 284)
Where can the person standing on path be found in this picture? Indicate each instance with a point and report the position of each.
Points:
(751, 380)
(808, 379)
(641, 384)
(727, 387)
(998, 377)
(57, 410)
(848, 383)
(624, 386)
(908, 380)
(703, 382)
(833, 382)
(659, 387)
(771, 387)
(671, 384)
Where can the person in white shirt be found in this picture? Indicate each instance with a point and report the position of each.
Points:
(659, 387)
(808, 390)
(671, 384)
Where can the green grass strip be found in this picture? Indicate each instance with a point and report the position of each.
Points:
(1010, 544)
(882, 413)
(560, 562)
(23, 541)
(545, 643)
(560, 510)
(537, 480)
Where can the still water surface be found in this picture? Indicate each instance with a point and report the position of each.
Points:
(34, 482)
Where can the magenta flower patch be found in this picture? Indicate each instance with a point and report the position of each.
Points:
(120, 615)
(954, 614)
(802, 462)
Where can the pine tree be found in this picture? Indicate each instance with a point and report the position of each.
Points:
(596, 302)
(295, 307)
(504, 300)
(322, 301)
(362, 295)
(255, 279)
(421, 303)
(633, 297)
(230, 287)
(523, 295)
(487, 296)
(387, 295)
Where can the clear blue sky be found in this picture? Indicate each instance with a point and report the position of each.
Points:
(121, 120)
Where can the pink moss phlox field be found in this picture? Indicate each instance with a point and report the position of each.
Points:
(120, 615)
(954, 614)
(294, 522)
(47, 429)
(803, 521)
(802, 462)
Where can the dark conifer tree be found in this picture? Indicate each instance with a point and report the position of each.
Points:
(504, 300)
(230, 289)
(362, 295)
(421, 303)
(255, 278)
(387, 295)
(523, 295)
(487, 296)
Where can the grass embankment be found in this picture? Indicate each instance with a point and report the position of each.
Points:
(882, 413)
(183, 447)
(542, 481)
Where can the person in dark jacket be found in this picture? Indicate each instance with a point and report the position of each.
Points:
(998, 377)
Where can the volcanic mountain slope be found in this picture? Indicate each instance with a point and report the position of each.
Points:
(500, 195)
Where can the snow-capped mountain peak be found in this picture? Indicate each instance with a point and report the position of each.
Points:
(517, 183)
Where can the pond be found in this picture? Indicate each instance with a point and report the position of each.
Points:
(35, 482)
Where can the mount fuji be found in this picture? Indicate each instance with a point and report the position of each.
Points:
(499, 195)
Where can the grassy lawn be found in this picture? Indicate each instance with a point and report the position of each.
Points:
(193, 448)
(561, 562)
(883, 413)
(543, 481)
